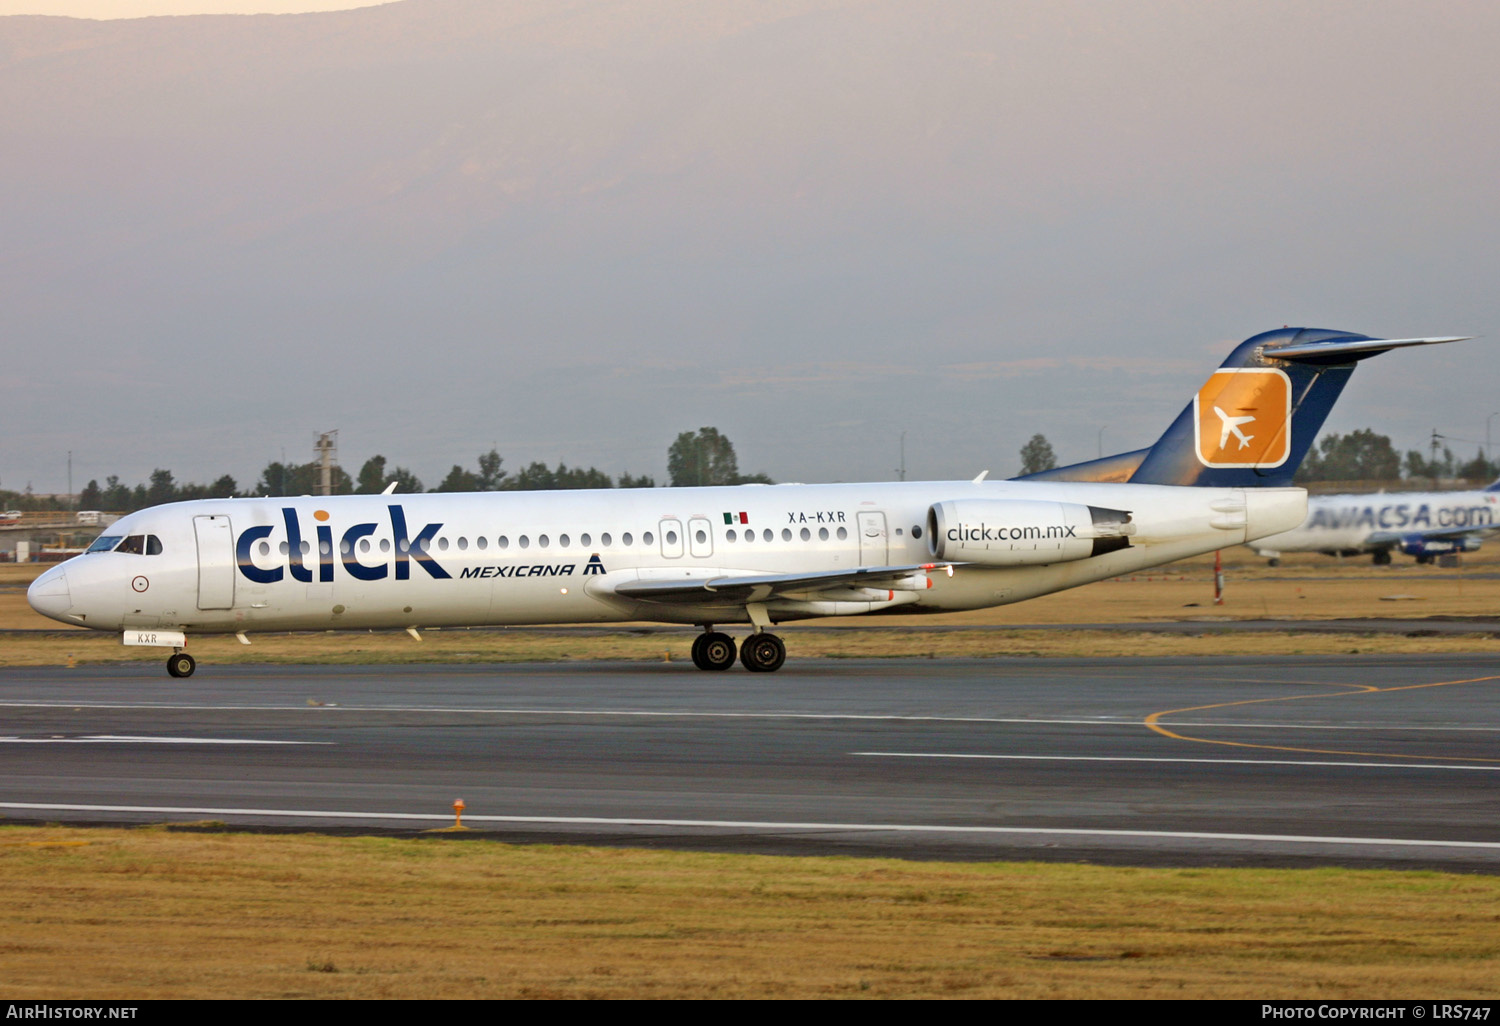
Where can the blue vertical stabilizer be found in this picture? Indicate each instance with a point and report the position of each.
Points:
(1255, 418)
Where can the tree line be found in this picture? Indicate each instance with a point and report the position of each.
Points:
(1360, 455)
(704, 457)
(1364, 455)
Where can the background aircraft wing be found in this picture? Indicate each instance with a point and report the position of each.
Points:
(760, 587)
(1397, 537)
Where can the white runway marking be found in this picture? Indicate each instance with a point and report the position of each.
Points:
(133, 739)
(1216, 762)
(729, 824)
(1091, 721)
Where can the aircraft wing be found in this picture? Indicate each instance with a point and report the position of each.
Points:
(760, 587)
(1396, 537)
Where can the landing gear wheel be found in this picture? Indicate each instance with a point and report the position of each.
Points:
(713, 651)
(716, 652)
(1381, 557)
(180, 664)
(1273, 561)
(763, 653)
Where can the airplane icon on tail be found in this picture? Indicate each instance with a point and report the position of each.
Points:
(1231, 425)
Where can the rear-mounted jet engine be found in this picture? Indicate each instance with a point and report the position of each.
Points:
(1023, 532)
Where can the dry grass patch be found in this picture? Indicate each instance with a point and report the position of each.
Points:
(150, 913)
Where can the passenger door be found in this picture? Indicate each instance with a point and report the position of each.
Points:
(215, 562)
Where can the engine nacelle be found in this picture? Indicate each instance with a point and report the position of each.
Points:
(1023, 532)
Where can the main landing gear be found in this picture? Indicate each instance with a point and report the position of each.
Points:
(713, 651)
(760, 653)
(180, 664)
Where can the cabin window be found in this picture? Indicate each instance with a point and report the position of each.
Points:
(843, 534)
(482, 542)
(345, 548)
(671, 537)
(786, 534)
(463, 543)
(822, 534)
(305, 548)
(542, 541)
(443, 544)
(584, 540)
(625, 538)
(503, 542)
(700, 537)
(647, 538)
(364, 545)
(265, 549)
(806, 534)
(729, 534)
(562, 541)
(525, 542)
(603, 539)
(385, 545)
(766, 535)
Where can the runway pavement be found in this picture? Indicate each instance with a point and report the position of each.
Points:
(1354, 760)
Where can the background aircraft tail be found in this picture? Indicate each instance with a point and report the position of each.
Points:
(1255, 418)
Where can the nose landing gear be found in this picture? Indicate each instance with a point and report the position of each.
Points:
(180, 664)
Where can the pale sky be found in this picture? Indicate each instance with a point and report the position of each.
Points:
(106, 9)
(572, 229)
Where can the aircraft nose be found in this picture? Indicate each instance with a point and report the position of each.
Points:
(49, 594)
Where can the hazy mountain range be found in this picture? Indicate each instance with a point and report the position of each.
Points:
(571, 230)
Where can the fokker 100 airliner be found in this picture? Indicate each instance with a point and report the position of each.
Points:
(755, 555)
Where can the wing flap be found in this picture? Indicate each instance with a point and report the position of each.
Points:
(735, 590)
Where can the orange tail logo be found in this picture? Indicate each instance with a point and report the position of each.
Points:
(1243, 418)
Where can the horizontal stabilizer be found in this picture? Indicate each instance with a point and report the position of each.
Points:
(1343, 350)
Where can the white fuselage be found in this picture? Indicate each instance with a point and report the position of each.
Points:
(1357, 523)
(433, 560)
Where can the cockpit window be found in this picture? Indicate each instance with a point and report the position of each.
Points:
(105, 543)
(137, 544)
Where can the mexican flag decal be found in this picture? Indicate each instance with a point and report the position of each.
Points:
(736, 518)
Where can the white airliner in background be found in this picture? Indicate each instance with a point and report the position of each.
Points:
(1421, 524)
(751, 554)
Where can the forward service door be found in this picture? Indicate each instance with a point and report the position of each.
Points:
(215, 562)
